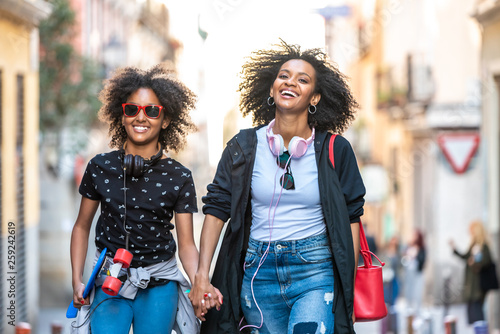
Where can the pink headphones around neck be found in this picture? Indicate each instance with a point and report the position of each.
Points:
(297, 146)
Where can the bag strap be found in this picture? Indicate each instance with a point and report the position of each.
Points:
(330, 148)
(364, 249)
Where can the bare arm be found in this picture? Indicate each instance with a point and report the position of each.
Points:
(188, 253)
(212, 227)
(355, 241)
(79, 246)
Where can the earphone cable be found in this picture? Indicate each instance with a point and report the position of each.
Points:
(266, 252)
(127, 233)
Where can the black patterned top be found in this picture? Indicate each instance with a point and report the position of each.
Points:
(151, 200)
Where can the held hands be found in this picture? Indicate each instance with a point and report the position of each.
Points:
(78, 300)
(204, 296)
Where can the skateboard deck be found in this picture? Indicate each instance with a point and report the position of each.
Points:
(72, 311)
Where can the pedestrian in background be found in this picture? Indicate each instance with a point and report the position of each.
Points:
(413, 262)
(288, 258)
(476, 258)
(140, 190)
(391, 271)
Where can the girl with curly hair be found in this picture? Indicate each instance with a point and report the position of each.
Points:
(288, 257)
(139, 190)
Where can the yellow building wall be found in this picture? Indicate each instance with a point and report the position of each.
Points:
(16, 59)
(491, 116)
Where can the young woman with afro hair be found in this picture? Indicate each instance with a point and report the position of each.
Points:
(140, 190)
(288, 257)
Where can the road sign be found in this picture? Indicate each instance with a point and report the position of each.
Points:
(459, 148)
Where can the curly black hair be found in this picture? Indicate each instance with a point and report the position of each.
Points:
(174, 96)
(336, 108)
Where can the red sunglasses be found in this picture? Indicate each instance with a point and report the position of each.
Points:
(132, 110)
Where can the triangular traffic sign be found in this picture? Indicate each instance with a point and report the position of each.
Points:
(459, 148)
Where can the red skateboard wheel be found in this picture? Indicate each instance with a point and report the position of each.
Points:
(124, 257)
(111, 285)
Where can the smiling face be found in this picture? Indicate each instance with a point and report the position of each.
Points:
(294, 86)
(141, 130)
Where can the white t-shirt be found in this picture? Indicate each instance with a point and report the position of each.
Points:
(298, 213)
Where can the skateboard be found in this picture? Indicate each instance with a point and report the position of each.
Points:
(72, 311)
(112, 284)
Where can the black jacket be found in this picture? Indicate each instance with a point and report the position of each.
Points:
(229, 197)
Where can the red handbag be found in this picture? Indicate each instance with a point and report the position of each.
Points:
(369, 304)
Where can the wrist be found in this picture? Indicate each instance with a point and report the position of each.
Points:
(201, 276)
(77, 282)
(76, 285)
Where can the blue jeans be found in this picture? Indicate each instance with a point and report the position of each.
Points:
(152, 311)
(293, 287)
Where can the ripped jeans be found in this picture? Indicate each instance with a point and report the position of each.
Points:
(293, 287)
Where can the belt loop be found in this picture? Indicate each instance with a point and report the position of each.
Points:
(261, 245)
(293, 247)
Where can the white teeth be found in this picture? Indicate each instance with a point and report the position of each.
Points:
(289, 92)
(140, 128)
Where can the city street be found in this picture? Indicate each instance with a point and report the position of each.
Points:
(411, 88)
(432, 323)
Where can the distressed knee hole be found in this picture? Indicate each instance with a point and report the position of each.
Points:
(305, 328)
(322, 329)
(328, 297)
(248, 302)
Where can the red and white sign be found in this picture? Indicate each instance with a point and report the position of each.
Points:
(459, 148)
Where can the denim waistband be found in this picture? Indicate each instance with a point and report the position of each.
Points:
(292, 246)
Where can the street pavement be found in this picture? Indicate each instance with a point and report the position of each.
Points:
(431, 322)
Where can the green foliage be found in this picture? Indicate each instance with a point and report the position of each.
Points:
(69, 82)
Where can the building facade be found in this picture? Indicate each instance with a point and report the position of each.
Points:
(414, 69)
(487, 14)
(19, 181)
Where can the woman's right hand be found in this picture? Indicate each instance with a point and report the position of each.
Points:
(78, 300)
(204, 296)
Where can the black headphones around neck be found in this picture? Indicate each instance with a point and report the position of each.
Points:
(136, 165)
